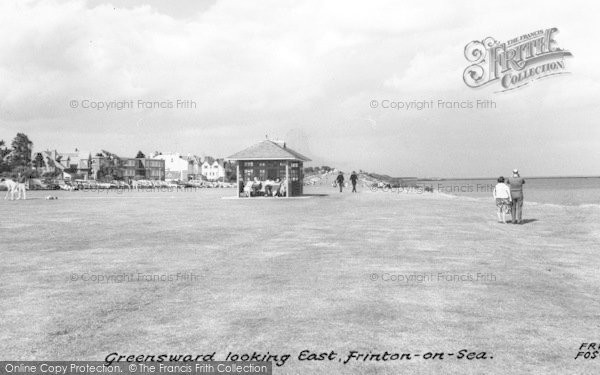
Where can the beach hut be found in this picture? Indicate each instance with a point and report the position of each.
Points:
(270, 160)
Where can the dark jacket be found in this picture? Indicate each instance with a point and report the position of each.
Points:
(516, 186)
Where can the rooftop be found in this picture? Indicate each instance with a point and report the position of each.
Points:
(268, 150)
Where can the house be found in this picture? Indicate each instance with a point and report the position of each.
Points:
(194, 171)
(85, 164)
(110, 166)
(213, 169)
(73, 162)
(176, 167)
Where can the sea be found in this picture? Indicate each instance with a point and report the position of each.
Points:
(564, 191)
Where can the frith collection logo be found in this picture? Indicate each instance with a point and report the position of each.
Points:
(515, 63)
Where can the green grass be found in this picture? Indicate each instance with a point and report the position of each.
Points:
(283, 275)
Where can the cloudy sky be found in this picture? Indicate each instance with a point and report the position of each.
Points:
(304, 71)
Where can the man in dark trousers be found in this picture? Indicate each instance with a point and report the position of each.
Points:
(340, 180)
(22, 180)
(353, 179)
(516, 191)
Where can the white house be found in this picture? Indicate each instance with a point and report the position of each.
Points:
(176, 167)
(213, 169)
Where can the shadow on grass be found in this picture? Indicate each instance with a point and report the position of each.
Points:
(527, 221)
(267, 198)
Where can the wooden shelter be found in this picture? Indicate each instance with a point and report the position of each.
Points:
(270, 160)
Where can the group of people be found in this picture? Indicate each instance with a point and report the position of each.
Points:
(267, 188)
(508, 194)
(339, 180)
(15, 187)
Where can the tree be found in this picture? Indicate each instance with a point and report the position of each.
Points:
(140, 155)
(230, 171)
(4, 152)
(21, 151)
(38, 161)
(72, 169)
(108, 170)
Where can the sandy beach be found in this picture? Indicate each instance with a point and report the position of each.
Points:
(368, 272)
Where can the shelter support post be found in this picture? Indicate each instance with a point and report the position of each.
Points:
(287, 179)
(237, 179)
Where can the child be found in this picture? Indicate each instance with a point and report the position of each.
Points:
(503, 199)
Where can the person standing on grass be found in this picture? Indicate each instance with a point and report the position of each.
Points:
(340, 180)
(11, 188)
(516, 183)
(353, 179)
(21, 180)
(503, 199)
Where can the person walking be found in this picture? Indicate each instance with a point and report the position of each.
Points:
(516, 183)
(340, 180)
(353, 179)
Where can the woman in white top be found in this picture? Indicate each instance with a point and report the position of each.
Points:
(503, 199)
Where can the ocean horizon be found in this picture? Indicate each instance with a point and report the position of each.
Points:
(566, 191)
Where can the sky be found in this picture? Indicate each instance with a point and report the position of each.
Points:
(302, 71)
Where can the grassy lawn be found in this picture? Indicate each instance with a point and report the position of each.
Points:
(283, 276)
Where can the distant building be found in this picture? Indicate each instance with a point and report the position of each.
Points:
(66, 162)
(176, 167)
(127, 169)
(194, 168)
(85, 164)
(213, 169)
